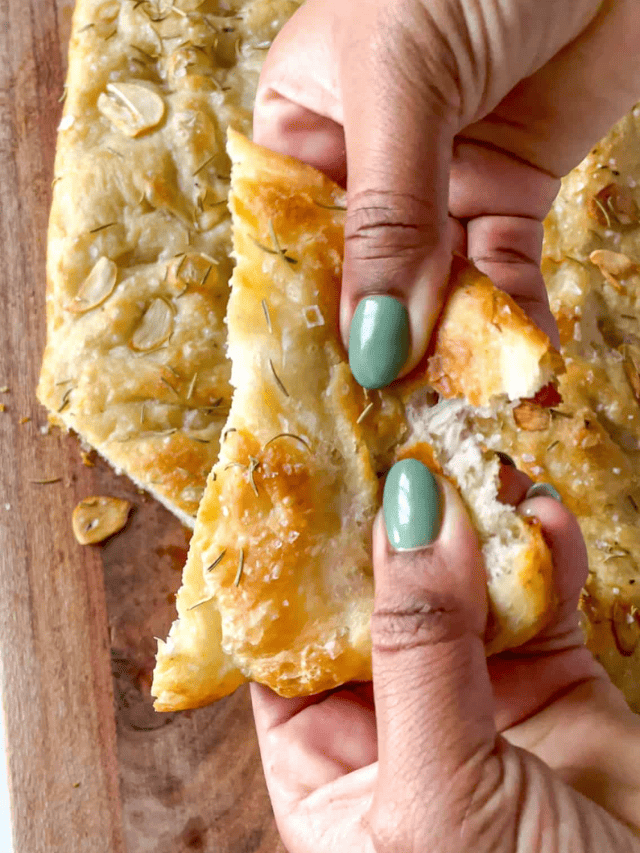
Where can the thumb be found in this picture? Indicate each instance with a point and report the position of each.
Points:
(398, 236)
(433, 697)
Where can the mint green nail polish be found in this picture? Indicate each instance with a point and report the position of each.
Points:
(543, 490)
(411, 505)
(378, 341)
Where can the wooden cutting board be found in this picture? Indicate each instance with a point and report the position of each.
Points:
(92, 766)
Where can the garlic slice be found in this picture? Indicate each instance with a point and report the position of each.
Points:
(96, 518)
(155, 327)
(96, 288)
(132, 107)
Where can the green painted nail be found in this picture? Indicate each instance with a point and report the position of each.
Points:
(378, 341)
(411, 505)
(543, 490)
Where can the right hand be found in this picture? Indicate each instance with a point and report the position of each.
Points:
(451, 122)
(533, 751)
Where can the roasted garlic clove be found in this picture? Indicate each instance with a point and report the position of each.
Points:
(97, 518)
(96, 288)
(133, 108)
(155, 327)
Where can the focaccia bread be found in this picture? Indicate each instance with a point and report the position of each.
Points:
(278, 585)
(589, 446)
(139, 237)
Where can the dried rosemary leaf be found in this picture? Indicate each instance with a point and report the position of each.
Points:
(329, 206)
(65, 400)
(102, 227)
(253, 464)
(200, 603)
(278, 380)
(192, 385)
(215, 562)
(267, 317)
(45, 481)
(169, 385)
(204, 165)
(604, 211)
(287, 435)
(364, 413)
(236, 580)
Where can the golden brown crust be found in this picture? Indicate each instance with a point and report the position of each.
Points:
(506, 354)
(279, 577)
(139, 235)
(590, 264)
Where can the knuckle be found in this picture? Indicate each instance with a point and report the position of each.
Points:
(426, 623)
(385, 224)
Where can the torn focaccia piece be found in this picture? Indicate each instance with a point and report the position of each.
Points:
(139, 242)
(278, 585)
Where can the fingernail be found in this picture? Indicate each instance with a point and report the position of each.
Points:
(505, 458)
(411, 505)
(378, 341)
(543, 490)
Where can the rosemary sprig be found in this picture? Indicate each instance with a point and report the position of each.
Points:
(552, 445)
(278, 380)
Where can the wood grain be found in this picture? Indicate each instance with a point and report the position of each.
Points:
(92, 766)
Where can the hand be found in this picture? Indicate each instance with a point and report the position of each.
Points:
(451, 122)
(531, 752)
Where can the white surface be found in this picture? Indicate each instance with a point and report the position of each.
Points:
(6, 841)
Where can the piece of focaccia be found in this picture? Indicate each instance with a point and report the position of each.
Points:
(139, 238)
(589, 448)
(278, 586)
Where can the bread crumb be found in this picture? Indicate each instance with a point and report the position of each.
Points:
(25, 419)
(4, 389)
